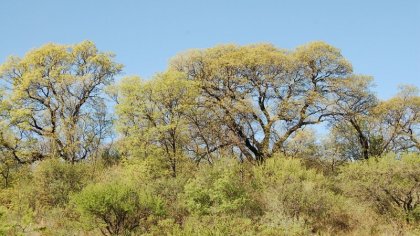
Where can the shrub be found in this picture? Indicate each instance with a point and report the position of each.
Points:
(206, 226)
(390, 184)
(55, 180)
(4, 227)
(302, 194)
(221, 189)
(116, 207)
(18, 209)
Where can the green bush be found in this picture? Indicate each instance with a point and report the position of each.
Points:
(116, 207)
(276, 223)
(18, 215)
(11, 172)
(390, 184)
(221, 189)
(206, 226)
(282, 196)
(4, 227)
(292, 190)
(55, 180)
(224, 225)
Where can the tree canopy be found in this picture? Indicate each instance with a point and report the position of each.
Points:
(55, 99)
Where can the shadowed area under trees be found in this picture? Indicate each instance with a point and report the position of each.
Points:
(222, 142)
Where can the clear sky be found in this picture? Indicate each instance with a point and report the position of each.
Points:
(380, 38)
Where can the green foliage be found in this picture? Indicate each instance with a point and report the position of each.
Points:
(220, 190)
(11, 172)
(3, 225)
(55, 99)
(56, 180)
(277, 223)
(198, 146)
(225, 225)
(279, 197)
(116, 207)
(18, 208)
(390, 184)
(260, 95)
(292, 190)
(152, 115)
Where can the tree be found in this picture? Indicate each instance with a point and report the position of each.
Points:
(376, 126)
(207, 141)
(399, 121)
(54, 97)
(152, 114)
(260, 95)
(302, 144)
(351, 120)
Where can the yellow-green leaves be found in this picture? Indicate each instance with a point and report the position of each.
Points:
(260, 95)
(152, 114)
(322, 59)
(116, 207)
(389, 183)
(55, 92)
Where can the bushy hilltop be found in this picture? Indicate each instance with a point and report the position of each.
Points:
(282, 196)
(220, 143)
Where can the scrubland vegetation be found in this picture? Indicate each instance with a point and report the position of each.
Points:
(221, 143)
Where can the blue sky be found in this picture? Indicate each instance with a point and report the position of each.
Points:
(380, 38)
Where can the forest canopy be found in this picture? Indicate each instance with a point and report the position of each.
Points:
(223, 142)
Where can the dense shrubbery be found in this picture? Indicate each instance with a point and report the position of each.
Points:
(279, 197)
(54, 181)
(390, 184)
(221, 189)
(292, 190)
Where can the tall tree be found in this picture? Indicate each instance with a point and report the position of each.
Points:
(54, 94)
(261, 95)
(352, 106)
(152, 115)
(398, 121)
(376, 127)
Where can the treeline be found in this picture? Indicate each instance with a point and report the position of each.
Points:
(221, 143)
